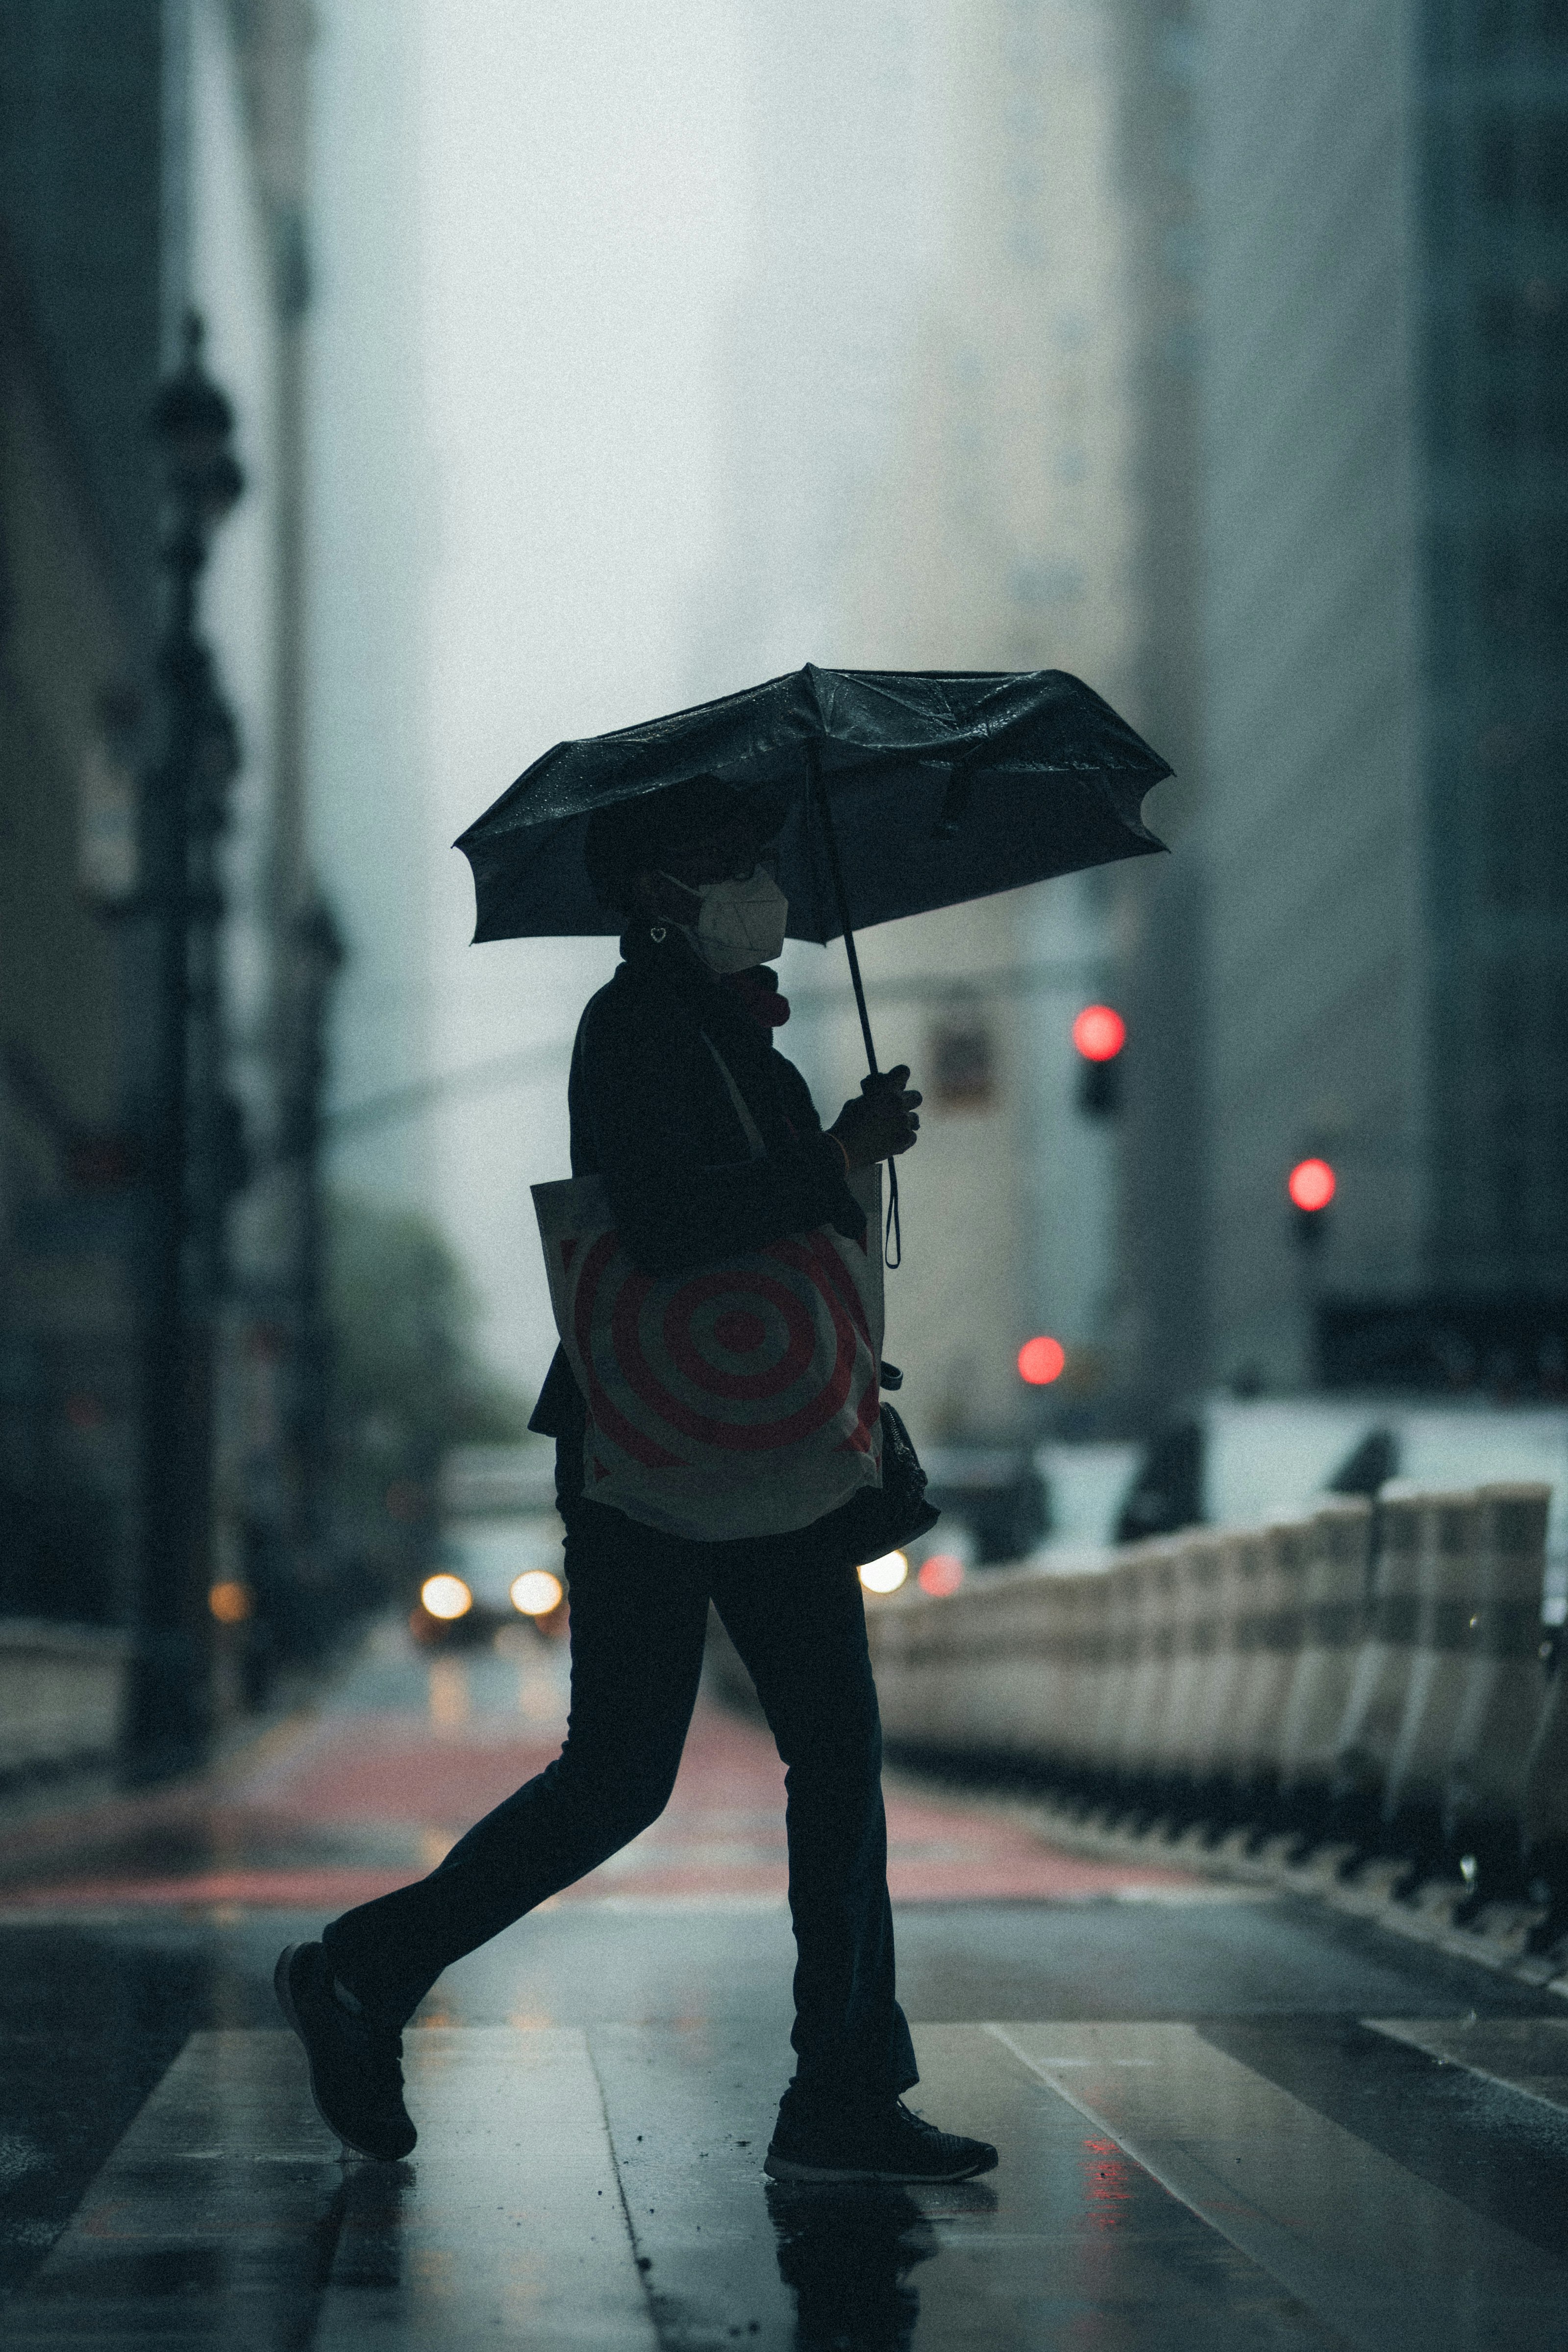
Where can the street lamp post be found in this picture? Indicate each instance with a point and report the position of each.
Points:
(168, 1721)
(316, 957)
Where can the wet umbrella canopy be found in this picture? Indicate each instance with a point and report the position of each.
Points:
(940, 786)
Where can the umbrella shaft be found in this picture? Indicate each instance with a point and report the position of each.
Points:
(860, 1002)
(824, 810)
(892, 1239)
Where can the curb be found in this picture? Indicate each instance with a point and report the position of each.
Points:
(58, 1830)
(1496, 1941)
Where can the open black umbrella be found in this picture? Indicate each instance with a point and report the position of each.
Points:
(901, 792)
(938, 786)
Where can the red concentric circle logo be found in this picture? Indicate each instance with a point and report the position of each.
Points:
(740, 1359)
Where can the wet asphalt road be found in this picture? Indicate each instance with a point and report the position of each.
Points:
(1225, 2117)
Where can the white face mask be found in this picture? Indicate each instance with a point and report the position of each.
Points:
(741, 923)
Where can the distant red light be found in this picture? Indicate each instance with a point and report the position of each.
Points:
(943, 1573)
(1099, 1033)
(1311, 1184)
(1041, 1361)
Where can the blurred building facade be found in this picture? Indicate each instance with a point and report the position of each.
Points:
(68, 1309)
(1385, 283)
(999, 537)
(1009, 486)
(369, 527)
(845, 117)
(152, 158)
(1159, 916)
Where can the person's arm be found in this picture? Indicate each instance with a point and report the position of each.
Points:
(881, 1121)
(675, 1212)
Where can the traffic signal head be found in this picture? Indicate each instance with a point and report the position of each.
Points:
(1312, 1185)
(1041, 1361)
(1099, 1034)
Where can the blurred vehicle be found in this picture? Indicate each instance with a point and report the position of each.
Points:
(996, 1493)
(498, 1559)
(1235, 1462)
(455, 1612)
(1263, 1455)
(1087, 1485)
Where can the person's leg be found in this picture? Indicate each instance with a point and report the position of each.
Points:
(799, 1623)
(638, 1612)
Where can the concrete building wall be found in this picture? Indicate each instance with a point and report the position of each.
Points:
(81, 100)
(81, 208)
(1313, 655)
(68, 1307)
(152, 145)
(1386, 338)
(1488, 132)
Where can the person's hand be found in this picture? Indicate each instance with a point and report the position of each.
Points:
(882, 1123)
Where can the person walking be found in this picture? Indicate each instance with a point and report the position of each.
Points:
(708, 1146)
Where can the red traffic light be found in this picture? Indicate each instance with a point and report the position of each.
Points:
(1041, 1361)
(1099, 1033)
(943, 1573)
(1311, 1184)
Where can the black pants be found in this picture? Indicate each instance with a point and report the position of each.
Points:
(638, 1612)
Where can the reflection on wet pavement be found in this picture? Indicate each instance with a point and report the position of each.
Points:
(846, 2255)
(413, 1748)
(1250, 2124)
(605, 2190)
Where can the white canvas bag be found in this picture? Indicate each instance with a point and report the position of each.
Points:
(738, 1399)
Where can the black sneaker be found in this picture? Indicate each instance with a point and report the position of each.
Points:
(891, 2144)
(356, 2080)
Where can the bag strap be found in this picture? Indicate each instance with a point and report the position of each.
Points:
(748, 1125)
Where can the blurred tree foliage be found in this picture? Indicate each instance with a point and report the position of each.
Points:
(407, 1383)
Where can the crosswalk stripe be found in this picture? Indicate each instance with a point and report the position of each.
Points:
(225, 2218)
(507, 2227)
(1204, 2203)
(217, 2210)
(1071, 2240)
(1528, 2054)
(1391, 2262)
(1064, 2242)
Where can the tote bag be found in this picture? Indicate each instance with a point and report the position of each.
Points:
(739, 1400)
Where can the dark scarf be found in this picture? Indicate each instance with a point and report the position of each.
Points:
(759, 992)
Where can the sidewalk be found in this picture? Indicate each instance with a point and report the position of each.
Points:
(410, 1750)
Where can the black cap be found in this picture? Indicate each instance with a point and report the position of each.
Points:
(629, 836)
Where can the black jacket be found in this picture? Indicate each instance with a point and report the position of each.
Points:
(652, 1115)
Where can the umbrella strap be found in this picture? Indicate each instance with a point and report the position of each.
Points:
(892, 1237)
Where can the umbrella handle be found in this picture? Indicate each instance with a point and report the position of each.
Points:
(892, 1238)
